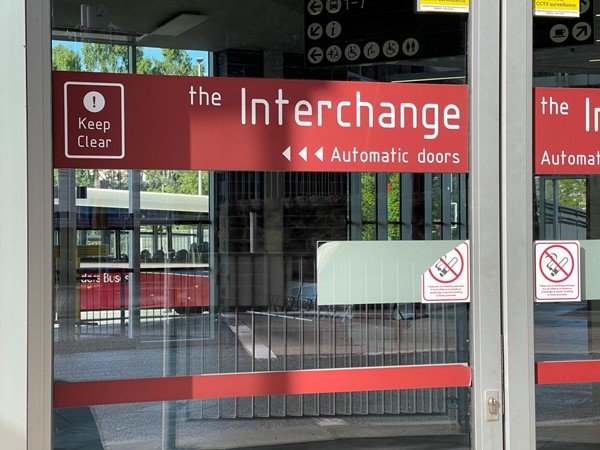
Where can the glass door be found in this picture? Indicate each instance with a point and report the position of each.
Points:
(273, 231)
(565, 221)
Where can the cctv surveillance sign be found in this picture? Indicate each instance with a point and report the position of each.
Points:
(558, 8)
(453, 6)
(108, 121)
(563, 23)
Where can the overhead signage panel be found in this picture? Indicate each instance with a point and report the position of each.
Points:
(557, 8)
(368, 31)
(342, 8)
(566, 26)
(202, 123)
(450, 6)
(562, 152)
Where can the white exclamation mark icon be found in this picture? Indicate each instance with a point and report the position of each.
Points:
(94, 101)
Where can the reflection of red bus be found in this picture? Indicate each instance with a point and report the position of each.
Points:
(185, 289)
(174, 252)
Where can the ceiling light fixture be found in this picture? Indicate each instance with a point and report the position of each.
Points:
(419, 80)
(180, 24)
(99, 36)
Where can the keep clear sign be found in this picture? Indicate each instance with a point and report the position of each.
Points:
(557, 271)
(94, 120)
(448, 280)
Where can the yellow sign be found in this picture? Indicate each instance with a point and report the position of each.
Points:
(556, 8)
(452, 6)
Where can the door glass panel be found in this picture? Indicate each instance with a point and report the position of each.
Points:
(187, 300)
(565, 204)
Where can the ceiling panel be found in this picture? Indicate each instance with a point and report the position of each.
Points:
(257, 24)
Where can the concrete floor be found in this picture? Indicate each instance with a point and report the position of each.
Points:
(568, 416)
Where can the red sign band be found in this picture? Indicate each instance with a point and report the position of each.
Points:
(577, 111)
(201, 123)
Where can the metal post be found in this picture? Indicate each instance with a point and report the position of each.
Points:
(169, 415)
(134, 254)
(122, 301)
(406, 206)
(66, 306)
(213, 259)
(355, 207)
(132, 60)
(542, 210)
(555, 231)
(428, 206)
(446, 205)
(381, 208)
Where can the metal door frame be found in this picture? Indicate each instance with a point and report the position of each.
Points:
(500, 139)
(500, 70)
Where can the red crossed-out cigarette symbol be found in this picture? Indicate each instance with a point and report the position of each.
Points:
(556, 266)
(444, 267)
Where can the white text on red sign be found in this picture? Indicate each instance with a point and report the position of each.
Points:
(352, 112)
(246, 124)
(575, 152)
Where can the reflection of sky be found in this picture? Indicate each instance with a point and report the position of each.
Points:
(151, 52)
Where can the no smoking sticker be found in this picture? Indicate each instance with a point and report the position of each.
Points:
(447, 280)
(557, 271)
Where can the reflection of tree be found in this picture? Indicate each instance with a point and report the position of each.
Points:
(174, 181)
(420, 191)
(394, 205)
(115, 59)
(107, 58)
(368, 205)
(572, 193)
(86, 177)
(63, 58)
(174, 62)
(107, 179)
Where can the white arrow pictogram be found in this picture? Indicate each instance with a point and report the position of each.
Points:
(303, 154)
(288, 153)
(319, 154)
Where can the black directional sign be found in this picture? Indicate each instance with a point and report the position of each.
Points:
(565, 31)
(315, 7)
(346, 32)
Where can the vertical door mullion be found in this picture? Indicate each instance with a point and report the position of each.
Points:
(517, 223)
(484, 231)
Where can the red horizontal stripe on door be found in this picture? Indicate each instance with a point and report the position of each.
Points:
(87, 393)
(562, 372)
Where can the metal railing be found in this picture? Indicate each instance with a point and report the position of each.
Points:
(277, 325)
